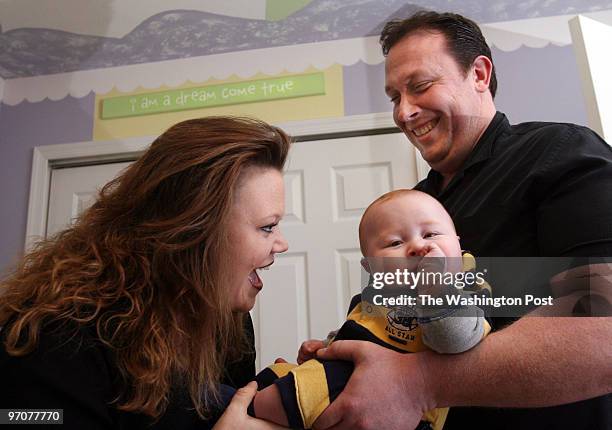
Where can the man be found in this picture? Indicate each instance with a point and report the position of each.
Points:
(534, 189)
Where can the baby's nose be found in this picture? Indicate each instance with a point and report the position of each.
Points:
(415, 248)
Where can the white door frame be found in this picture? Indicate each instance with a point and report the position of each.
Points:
(591, 42)
(50, 156)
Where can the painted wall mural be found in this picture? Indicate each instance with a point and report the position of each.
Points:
(186, 33)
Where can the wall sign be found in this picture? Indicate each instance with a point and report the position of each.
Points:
(214, 95)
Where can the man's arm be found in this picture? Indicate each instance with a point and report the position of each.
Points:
(542, 359)
(534, 362)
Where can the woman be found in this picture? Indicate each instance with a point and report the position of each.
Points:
(137, 315)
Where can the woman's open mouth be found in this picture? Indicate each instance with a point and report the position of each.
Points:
(255, 280)
(254, 277)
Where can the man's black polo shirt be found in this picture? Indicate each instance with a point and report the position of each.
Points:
(532, 189)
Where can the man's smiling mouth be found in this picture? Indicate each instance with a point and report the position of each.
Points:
(424, 129)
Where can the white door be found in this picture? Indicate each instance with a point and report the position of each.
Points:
(74, 189)
(328, 185)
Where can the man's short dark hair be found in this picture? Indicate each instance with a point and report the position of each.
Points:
(463, 37)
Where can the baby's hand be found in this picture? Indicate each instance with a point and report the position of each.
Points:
(433, 250)
(433, 259)
(309, 349)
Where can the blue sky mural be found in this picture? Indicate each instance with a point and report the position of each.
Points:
(186, 33)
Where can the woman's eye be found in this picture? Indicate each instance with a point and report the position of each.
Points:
(269, 228)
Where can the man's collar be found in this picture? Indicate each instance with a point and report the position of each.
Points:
(483, 150)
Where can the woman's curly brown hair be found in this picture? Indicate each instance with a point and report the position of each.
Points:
(145, 267)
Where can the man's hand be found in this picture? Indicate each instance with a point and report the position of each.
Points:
(387, 390)
(309, 349)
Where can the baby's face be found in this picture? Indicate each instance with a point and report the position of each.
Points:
(411, 225)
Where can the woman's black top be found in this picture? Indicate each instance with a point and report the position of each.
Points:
(78, 374)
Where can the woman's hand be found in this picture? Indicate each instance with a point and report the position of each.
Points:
(236, 417)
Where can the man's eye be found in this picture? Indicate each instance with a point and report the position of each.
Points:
(421, 86)
(269, 228)
(394, 99)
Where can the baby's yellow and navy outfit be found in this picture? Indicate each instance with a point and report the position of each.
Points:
(308, 389)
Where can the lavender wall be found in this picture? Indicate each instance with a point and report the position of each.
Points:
(22, 127)
(364, 89)
(540, 84)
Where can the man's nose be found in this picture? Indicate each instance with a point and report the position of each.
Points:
(407, 110)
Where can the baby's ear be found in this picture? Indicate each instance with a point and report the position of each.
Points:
(365, 264)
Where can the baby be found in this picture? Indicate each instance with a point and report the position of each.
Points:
(401, 228)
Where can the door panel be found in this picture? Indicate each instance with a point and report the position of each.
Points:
(74, 189)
